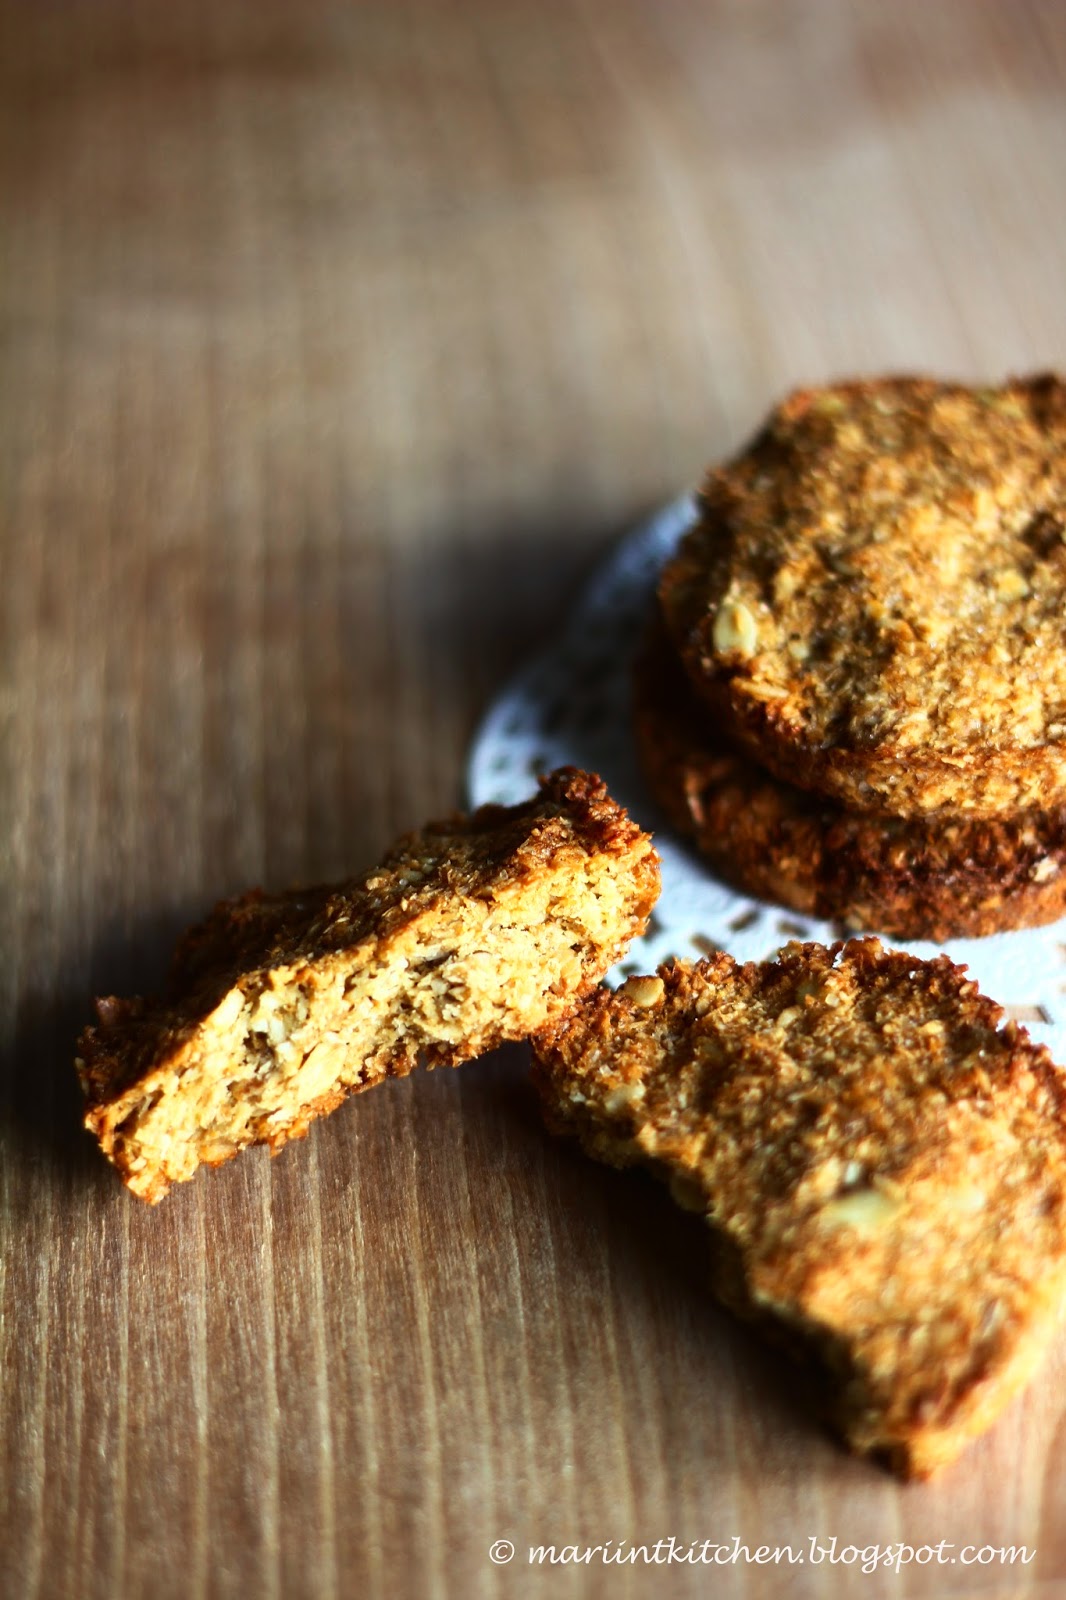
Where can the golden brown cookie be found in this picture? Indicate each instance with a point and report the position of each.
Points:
(882, 1165)
(940, 878)
(471, 932)
(875, 595)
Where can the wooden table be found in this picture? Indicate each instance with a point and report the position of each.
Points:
(340, 340)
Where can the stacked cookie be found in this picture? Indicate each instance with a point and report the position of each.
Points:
(854, 695)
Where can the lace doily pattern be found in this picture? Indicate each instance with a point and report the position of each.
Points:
(571, 705)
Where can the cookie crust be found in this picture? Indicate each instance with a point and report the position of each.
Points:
(881, 1163)
(471, 932)
(874, 596)
(937, 878)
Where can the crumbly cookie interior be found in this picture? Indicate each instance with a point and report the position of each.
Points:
(282, 1043)
(470, 932)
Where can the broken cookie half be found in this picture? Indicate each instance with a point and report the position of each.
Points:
(471, 932)
(882, 1165)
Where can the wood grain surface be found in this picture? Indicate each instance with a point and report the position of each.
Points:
(339, 341)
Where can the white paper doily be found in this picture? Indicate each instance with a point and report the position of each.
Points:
(571, 707)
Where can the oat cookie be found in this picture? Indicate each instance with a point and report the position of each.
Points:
(875, 595)
(471, 932)
(937, 878)
(881, 1163)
